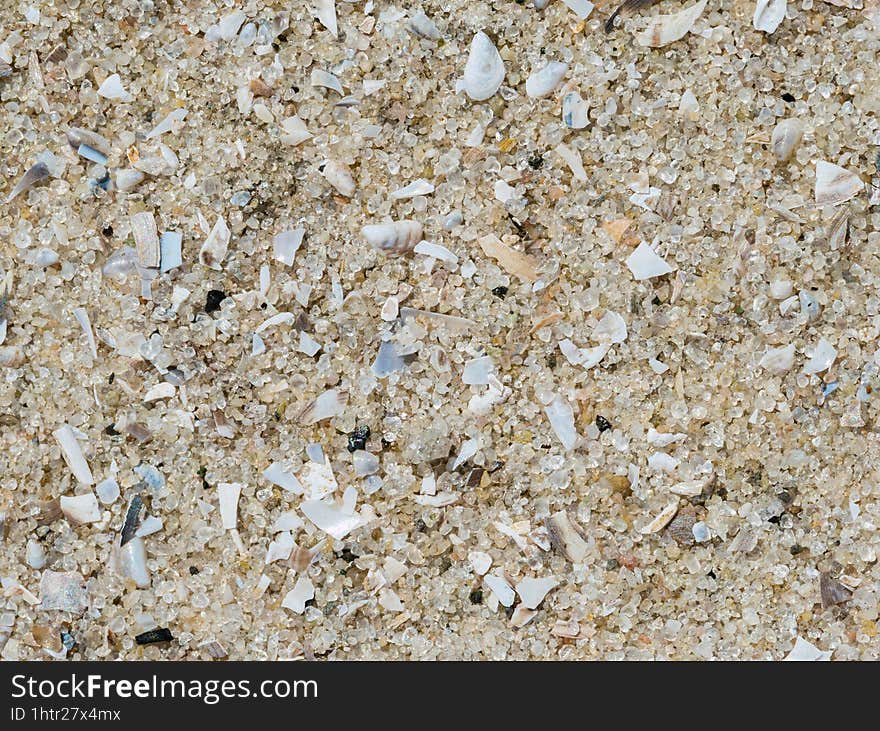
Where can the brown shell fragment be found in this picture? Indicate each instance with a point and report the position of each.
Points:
(831, 591)
(512, 261)
(567, 537)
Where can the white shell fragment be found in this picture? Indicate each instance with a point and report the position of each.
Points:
(574, 111)
(822, 359)
(480, 562)
(82, 317)
(645, 263)
(227, 27)
(173, 122)
(331, 518)
(804, 651)
(664, 517)
(34, 174)
(415, 188)
(778, 360)
(469, 447)
(662, 462)
(108, 491)
(423, 26)
(228, 494)
(436, 251)
(477, 371)
(561, 417)
(213, 251)
(532, 591)
(329, 404)
(133, 562)
(544, 82)
(35, 554)
(112, 89)
(170, 250)
(303, 591)
(688, 106)
(81, 509)
(500, 588)
(572, 158)
(327, 80)
(127, 178)
(325, 11)
(286, 244)
(835, 185)
(73, 454)
(584, 357)
(146, 239)
(159, 391)
(566, 537)
(484, 70)
(666, 29)
(63, 592)
(339, 176)
(611, 328)
(512, 261)
(581, 8)
(277, 475)
(769, 14)
(294, 131)
(393, 238)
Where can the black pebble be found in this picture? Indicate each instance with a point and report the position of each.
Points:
(476, 596)
(193, 571)
(535, 162)
(213, 300)
(787, 97)
(500, 291)
(358, 438)
(602, 424)
(154, 635)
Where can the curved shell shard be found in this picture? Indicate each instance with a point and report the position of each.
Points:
(769, 14)
(786, 137)
(835, 184)
(484, 70)
(339, 176)
(544, 81)
(666, 29)
(399, 237)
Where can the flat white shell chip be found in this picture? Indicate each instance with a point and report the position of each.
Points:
(73, 454)
(645, 263)
(286, 244)
(229, 493)
(331, 518)
(112, 88)
(303, 591)
(532, 591)
(500, 588)
(81, 508)
(804, 651)
(277, 475)
(476, 372)
(822, 359)
(480, 562)
(561, 417)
